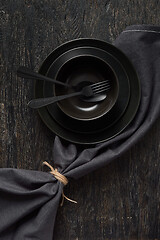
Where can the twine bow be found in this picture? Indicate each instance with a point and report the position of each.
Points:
(60, 177)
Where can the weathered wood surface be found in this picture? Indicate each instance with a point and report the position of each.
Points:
(120, 201)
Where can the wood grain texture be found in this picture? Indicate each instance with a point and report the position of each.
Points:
(120, 201)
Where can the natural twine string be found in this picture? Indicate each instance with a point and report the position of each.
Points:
(61, 178)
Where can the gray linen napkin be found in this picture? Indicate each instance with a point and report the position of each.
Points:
(29, 199)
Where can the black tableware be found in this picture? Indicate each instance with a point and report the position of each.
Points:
(25, 72)
(77, 71)
(77, 66)
(108, 119)
(125, 119)
(87, 92)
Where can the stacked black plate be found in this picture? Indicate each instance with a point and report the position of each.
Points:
(76, 120)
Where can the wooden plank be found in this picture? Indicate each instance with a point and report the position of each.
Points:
(120, 201)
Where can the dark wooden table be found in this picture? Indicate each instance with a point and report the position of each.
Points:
(120, 201)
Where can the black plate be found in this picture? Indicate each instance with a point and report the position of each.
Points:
(108, 119)
(91, 138)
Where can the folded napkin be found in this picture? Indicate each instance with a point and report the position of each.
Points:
(29, 199)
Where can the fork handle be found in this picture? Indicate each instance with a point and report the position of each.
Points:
(25, 72)
(42, 102)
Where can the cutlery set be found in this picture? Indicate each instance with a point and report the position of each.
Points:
(88, 91)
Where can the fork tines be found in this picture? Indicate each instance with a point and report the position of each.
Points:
(100, 87)
(100, 83)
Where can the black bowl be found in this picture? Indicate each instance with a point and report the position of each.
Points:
(80, 71)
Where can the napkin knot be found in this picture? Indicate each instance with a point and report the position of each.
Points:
(60, 177)
(57, 174)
